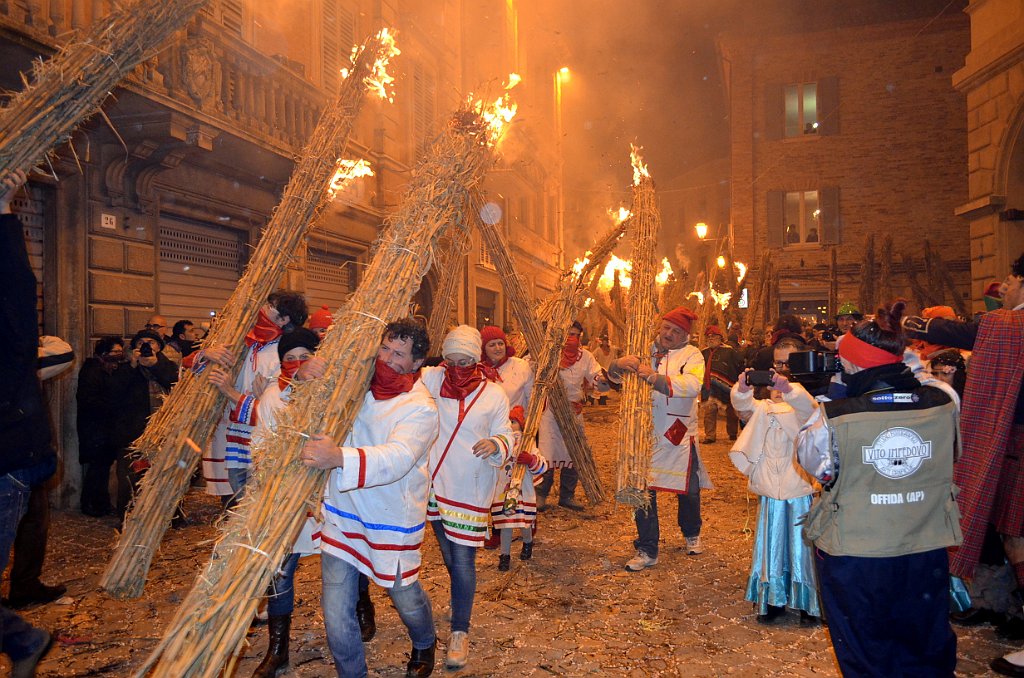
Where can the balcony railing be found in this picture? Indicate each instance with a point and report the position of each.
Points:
(208, 71)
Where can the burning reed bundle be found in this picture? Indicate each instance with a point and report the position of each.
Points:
(636, 423)
(449, 269)
(547, 350)
(210, 625)
(190, 414)
(69, 87)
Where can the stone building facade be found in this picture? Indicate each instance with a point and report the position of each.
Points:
(841, 134)
(155, 206)
(992, 79)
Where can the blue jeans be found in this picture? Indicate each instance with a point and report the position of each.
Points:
(341, 591)
(237, 478)
(281, 592)
(687, 514)
(460, 560)
(18, 638)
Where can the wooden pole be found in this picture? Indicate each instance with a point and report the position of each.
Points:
(189, 416)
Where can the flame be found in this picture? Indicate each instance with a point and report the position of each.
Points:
(699, 295)
(639, 168)
(721, 298)
(619, 216)
(666, 273)
(742, 268)
(624, 267)
(588, 303)
(378, 81)
(496, 115)
(347, 171)
(513, 80)
(580, 264)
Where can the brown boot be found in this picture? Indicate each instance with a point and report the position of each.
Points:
(277, 651)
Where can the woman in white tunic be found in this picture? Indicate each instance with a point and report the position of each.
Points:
(474, 441)
(577, 367)
(514, 374)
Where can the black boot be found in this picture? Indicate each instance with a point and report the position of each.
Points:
(277, 650)
(504, 561)
(421, 663)
(527, 551)
(366, 617)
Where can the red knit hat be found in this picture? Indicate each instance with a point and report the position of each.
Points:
(713, 330)
(517, 415)
(490, 333)
(681, 317)
(321, 319)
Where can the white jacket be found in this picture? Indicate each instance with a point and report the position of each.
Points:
(765, 451)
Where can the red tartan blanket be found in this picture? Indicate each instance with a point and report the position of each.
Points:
(990, 399)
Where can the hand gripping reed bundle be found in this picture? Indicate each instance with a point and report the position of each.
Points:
(210, 625)
(70, 86)
(636, 425)
(547, 350)
(190, 414)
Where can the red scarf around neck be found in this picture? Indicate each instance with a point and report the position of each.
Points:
(459, 382)
(288, 370)
(571, 352)
(263, 332)
(387, 383)
(491, 371)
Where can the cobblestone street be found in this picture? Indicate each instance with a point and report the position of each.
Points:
(570, 611)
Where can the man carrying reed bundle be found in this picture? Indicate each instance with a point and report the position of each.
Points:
(675, 372)
(226, 469)
(375, 504)
(577, 367)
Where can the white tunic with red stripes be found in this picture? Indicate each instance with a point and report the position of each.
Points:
(525, 513)
(230, 447)
(463, 484)
(549, 439)
(375, 505)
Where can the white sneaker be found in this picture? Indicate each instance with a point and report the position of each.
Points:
(640, 561)
(458, 650)
(693, 546)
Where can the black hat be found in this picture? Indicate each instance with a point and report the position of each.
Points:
(300, 336)
(147, 334)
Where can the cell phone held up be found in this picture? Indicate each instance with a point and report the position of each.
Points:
(759, 378)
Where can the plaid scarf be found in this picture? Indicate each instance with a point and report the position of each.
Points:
(989, 402)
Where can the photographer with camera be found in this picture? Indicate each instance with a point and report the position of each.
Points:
(887, 512)
(138, 387)
(782, 565)
(722, 366)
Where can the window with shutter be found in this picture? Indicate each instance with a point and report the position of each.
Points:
(231, 16)
(774, 107)
(801, 109)
(801, 218)
(776, 202)
(828, 106)
(339, 31)
(830, 215)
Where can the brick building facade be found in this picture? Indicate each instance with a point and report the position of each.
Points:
(843, 133)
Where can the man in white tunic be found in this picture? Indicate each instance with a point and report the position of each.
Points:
(675, 371)
(577, 367)
(375, 505)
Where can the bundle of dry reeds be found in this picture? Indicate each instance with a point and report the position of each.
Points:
(189, 416)
(868, 291)
(944, 280)
(449, 266)
(636, 424)
(210, 625)
(547, 349)
(69, 87)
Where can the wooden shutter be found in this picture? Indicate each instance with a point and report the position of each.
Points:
(776, 209)
(231, 16)
(338, 25)
(199, 268)
(423, 108)
(774, 112)
(828, 106)
(829, 201)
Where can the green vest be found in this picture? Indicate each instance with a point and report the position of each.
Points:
(894, 493)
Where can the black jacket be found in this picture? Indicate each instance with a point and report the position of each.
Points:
(25, 434)
(95, 399)
(133, 404)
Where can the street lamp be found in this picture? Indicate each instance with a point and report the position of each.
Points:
(702, 230)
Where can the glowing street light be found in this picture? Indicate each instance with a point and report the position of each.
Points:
(720, 261)
(702, 230)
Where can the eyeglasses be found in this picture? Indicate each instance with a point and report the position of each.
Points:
(780, 364)
(154, 326)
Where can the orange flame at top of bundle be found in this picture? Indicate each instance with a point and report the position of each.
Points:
(378, 81)
(513, 80)
(639, 168)
(346, 172)
(619, 216)
(499, 113)
(665, 274)
(742, 268)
